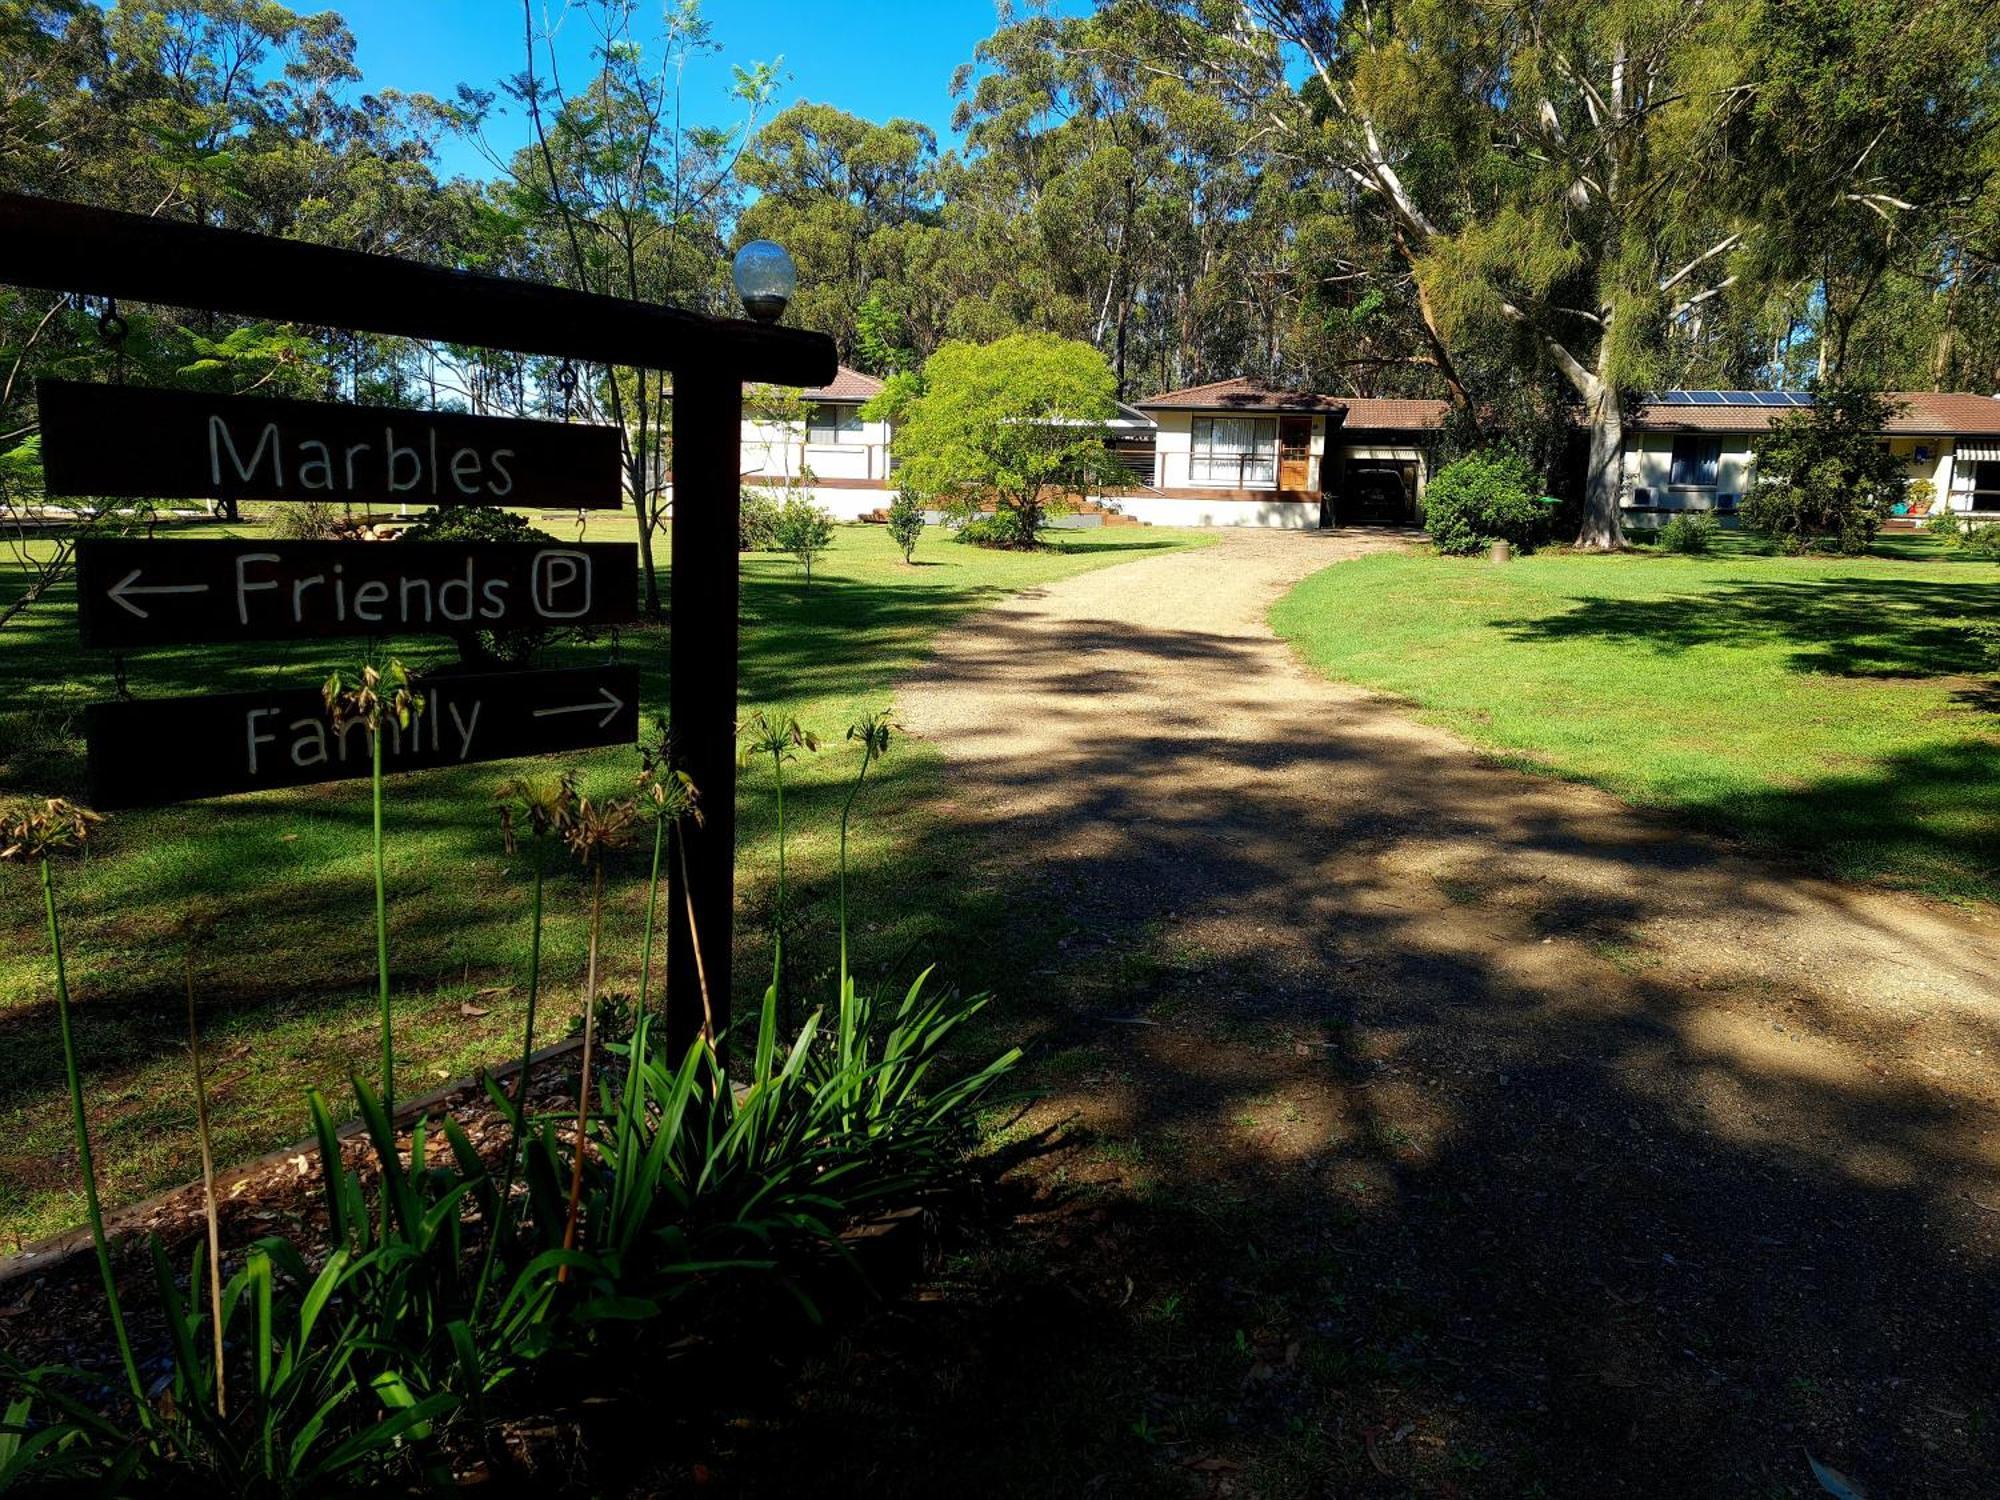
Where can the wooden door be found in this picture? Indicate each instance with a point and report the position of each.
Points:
(1294, 453)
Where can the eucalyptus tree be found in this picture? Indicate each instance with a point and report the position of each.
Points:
(1146, 222)
(1872, 151)
(845, 197)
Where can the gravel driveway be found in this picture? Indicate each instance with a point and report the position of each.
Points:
(1631, 1155)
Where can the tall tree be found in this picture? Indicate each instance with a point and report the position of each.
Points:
(845, 197)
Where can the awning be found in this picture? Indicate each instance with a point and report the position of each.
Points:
(1987, 452)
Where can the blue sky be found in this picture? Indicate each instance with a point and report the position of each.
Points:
(876, 60)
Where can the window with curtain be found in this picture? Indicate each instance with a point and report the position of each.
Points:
(1695, 462)
(833, 424)
(1234, 451)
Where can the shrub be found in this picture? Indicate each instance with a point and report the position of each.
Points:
(756, 520)
(1000, 528)
(1946, 526)
(1982, 541)
(1824, 476)
(1691, 532)
(305, 521)
(371, 1361)
(485, 650)
(804, 530)
(1482, 498)
(906, 522)
(474, 523)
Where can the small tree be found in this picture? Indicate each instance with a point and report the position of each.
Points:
(906, 522)
(1018, 423)
(1824, 474)
(1484, 497)
(804, 530)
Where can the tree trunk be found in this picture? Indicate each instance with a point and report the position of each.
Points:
(1604, 481)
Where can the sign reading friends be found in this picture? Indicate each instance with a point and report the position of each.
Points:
(139, 443)
(133, 593)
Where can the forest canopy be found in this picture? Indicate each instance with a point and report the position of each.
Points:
(1531, 210)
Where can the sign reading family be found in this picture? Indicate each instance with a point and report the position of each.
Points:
(136, 593)
(149, 751)
(140, 443)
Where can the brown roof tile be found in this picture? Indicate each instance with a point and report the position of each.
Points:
(1244, 393)
(1392, 413)
(1926, 413)
(846, 385)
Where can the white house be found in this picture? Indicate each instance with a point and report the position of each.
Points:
(1243, 452)
(848, 459)
(1695, 450)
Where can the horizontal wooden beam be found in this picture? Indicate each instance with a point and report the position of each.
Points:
(67, 247)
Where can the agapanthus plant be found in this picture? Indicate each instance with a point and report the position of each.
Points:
(36, 834)
(595, 829)
(377, 697)
(666, 795)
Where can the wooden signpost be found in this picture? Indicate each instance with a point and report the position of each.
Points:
(155, 750)
(133, 593)
(135, 442)
(115, 442)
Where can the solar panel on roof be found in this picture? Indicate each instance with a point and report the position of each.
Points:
(1773, 398)
(1675, 398)
(1705, 398)
(1739, 398)
(1800, 398)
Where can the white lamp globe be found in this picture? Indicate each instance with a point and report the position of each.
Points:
(765, 279)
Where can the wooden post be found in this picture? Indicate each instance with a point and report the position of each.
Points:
(707, 437)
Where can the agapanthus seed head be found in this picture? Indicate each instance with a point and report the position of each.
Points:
(32, 831)
(543, 804)
(372, 695)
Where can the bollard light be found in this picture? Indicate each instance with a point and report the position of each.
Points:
(765, 279)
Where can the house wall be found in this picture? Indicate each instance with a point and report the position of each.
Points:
(1649, 466)
(775, 451)
(1193, 510)
(1173, 447)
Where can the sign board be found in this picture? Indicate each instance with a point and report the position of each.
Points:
(138, 443)
(132, 592)
(152, 751)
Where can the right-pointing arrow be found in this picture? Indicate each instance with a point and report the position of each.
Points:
(122, 591)
(609, 701)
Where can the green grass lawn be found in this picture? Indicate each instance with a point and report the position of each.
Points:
(286, 979)
(1833, 707)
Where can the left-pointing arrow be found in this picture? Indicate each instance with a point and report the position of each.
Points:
(607, 700)
(122, 591)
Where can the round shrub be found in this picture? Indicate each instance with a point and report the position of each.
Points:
(1983, 541)
(756, 520)
(1482, 498)
(485, 650)
(997, 528)
(1691, 532)
(1945, 525)
(475, 523)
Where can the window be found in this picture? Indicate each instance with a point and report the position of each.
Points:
(833, 424)
(1695, 461)
(1986, 486)
(1238, 452)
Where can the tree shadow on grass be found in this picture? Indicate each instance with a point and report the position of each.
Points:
(1854, 626)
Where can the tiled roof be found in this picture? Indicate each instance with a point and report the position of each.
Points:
(846, 385)
(1393, 413)
(1244, 393)
(1927, 413)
